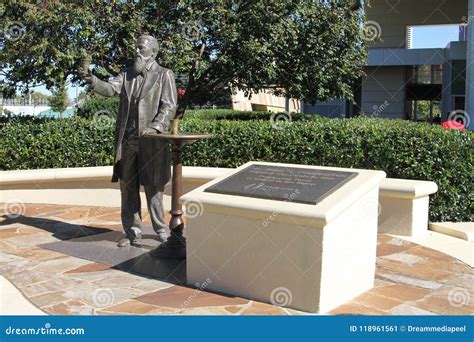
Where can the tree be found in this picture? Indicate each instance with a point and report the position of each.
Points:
(5, 112)
(311, 50)
(59, 99)
(82, 95)
(36, 95)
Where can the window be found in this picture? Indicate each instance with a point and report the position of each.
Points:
(423, 110)
(458, 81)
(425, 74)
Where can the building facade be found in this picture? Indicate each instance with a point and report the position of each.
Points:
(416, 84)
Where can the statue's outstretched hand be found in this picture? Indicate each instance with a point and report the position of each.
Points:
(85, 74)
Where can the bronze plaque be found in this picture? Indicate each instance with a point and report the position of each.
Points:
(282, 183)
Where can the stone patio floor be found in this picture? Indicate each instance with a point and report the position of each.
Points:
(410, 279)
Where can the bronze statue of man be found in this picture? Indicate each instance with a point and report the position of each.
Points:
(148, 99)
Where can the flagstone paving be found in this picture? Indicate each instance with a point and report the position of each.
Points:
(410, 279)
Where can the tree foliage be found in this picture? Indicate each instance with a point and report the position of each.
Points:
(5, 112)
(306, 49)
(59, 99)
(37, 95)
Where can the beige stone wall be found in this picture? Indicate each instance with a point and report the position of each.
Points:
(263, 100)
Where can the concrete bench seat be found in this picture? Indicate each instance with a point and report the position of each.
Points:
(403, 202)
(404, 205)
(460, 230)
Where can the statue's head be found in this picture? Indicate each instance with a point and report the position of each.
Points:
(146, 48)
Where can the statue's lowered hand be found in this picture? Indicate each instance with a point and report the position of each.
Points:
(149, 130)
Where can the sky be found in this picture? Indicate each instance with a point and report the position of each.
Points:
(423, 37)
(71, 90)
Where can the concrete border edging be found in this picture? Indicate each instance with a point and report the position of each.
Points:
(403, 202)
(91, 186)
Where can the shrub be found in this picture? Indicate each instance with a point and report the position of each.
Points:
(97, 103)
(17, 119)
(55, 143)
(4, 112)
(229, 114)
(402, 149)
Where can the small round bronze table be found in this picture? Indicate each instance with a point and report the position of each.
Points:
(175, 246)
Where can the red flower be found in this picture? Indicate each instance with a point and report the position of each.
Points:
(451, 124)
(181, 92)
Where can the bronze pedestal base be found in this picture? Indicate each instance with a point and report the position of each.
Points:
(175, 246)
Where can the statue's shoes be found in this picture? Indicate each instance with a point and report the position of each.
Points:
(125, 242)
(136, 243)
(163, 234)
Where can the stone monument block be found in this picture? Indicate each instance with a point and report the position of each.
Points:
(298, 236)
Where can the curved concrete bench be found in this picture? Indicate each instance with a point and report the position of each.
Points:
(404, 206)
(84, 185)
(460, 230)
(403, 202)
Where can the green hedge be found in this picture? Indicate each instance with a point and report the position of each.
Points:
(17, 119)
(229, 114)
(40, 144)
(97, 103)
(225, 114)
(402, 149)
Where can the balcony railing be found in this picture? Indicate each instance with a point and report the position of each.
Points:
(23, 102)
